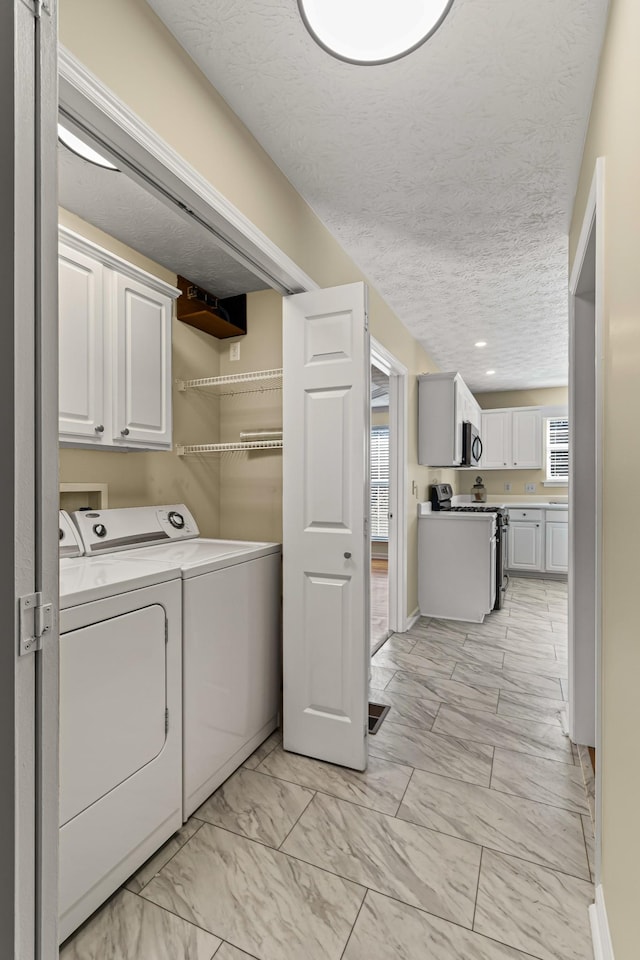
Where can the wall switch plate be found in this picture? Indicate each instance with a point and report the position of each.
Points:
(507, 487)
(529, 488)
(234, 351)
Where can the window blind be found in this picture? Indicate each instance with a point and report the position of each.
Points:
(379, 483)
(557, 444)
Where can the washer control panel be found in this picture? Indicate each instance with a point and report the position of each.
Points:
(109, 531)
(69, 542)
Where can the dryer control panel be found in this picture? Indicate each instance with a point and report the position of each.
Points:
(109, 531)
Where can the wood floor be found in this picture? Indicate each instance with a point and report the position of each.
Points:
(379, 602)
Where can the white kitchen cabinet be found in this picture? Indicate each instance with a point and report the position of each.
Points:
(526, 435)
(115, 350)
(512, 439)
(557, 547)
(525, 545)
(444, 403)
(495, 433)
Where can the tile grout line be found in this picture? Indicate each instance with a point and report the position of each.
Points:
(182, 845)
(404, 793)
(475, 902)
(353, 925)
(306, 807)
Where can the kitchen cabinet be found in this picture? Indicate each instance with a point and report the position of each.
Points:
(525, 540)
(538, 540)
(556, 542)
(512, 439)
(444, 403)
(115, 351)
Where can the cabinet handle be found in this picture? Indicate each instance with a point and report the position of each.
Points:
(537, 524)
(125, 432)
(99, 428)
(347, 556)
(515, 464)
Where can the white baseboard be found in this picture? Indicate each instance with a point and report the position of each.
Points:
(411, 619)
(602, 946)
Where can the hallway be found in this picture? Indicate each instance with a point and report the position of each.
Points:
(468, 838)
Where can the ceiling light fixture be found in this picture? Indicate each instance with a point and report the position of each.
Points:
(82, 149)
(372, 31)
(490, 373)
(481, 343)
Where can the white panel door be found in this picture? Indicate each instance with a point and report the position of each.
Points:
(557, 547)
(142, 381)
(326, 552)
(81, 347)
(496, 440)
(525, 545)
(527, 439)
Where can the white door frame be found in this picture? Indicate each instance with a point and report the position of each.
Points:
(589, 258)
(398, 392)
(28, 482)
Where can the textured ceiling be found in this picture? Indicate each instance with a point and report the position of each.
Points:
(119, 206)
(448, 176)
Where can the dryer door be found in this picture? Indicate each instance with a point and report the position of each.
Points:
(113, 683)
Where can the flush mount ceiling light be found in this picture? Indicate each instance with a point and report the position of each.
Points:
(490, 373)
(82, 149)
(481, 343)
(372, 31)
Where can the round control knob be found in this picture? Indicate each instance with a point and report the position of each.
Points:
(176, 519)
(100, 530)
(60, 534)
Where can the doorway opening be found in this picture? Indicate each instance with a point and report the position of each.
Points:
(387, 496)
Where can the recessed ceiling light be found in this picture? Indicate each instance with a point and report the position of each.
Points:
(481, 343)
(82, 149)
(490, 373)
(372, 31)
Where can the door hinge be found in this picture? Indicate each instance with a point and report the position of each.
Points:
(166, 720)
(35, 622)
(366, 320)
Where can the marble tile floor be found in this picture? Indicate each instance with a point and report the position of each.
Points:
(467, 838)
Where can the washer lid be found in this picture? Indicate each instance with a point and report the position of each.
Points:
(199, 556)
(85, 579)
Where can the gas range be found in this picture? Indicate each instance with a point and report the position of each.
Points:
(502, 516)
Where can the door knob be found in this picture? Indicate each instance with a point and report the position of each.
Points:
(347, 556)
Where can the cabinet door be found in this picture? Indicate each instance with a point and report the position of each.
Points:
(525, 545)
(81, 347)
(527, 438)
(557, 547)
(496, 440)
(142, 371)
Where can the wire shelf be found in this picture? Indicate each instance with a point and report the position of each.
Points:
(195, 449)
(229, 386)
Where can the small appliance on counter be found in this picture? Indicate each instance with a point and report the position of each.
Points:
(479, 491)
(440, 496)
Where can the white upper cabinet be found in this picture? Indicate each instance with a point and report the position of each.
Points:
(496, 439)
(527, 438)
(115, 350)
(142, 372)
(444, 403)
(80, 350)
(512, 439)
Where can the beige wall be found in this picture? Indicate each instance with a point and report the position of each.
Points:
(129, 49)
(494, 480)
(614, 133)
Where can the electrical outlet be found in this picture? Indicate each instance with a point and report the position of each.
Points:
(234, 351)
(529, 488)
(507, 487)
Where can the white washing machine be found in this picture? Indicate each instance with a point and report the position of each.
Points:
(231, 616)
(120, 722)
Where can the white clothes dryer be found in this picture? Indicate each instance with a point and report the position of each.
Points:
(120, 723)
(231, 633)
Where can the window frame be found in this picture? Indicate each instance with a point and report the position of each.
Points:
(378, 484)
(549, 448)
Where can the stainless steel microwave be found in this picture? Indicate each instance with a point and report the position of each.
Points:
(471, 445)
